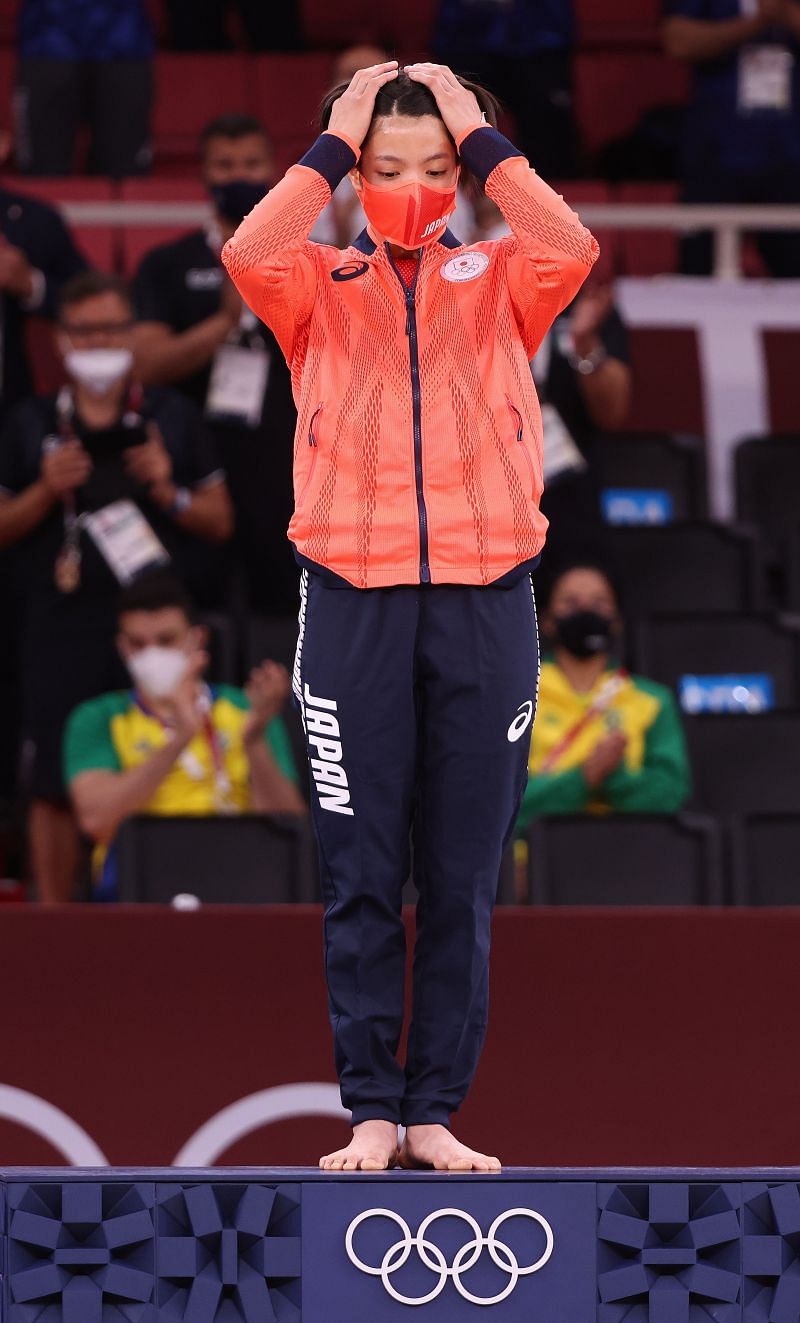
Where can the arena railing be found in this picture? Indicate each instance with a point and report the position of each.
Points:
(728, 223)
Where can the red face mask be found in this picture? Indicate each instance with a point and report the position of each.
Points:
(410, 215)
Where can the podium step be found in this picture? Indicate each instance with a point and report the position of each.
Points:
(294, 1245)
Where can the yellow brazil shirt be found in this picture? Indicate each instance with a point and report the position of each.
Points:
(114, 733)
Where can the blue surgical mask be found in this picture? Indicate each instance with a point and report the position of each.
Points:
(236, 198)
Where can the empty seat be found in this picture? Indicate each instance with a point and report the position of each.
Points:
(768, 482)
(648, 252)
(615, 22)
(708, 659)
(8, 60)
(191, 90)
(244, 860)
(686, 567)
(745, 764)
(288, 90)
(781, 349)
(669, 466)
(613, 89)
(137, 240)
(660, 357)
(766, 859)
(625, 860)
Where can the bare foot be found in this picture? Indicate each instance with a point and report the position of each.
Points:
(372, 1148)
(434, 1146)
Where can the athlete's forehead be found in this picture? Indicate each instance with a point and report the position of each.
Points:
(409, 140)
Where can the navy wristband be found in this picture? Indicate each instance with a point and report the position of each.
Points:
(484, 148)
(331, 157)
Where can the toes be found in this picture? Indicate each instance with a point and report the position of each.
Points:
(336, 1163)
(350, 1164)
(372, 1164)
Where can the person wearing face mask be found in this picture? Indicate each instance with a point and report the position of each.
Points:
(418, 472)
(96, 483)
(195, 334)
(604, 741)
(173, 744)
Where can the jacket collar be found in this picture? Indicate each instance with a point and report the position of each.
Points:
(365, 245)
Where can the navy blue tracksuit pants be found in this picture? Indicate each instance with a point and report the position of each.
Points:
(417, 704)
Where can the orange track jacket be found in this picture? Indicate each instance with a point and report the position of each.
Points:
(418, 451)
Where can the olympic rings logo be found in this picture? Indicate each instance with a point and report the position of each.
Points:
(397, 1255)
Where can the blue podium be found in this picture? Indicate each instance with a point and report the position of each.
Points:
(293, 1245)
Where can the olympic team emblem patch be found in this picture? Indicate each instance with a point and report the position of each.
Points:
(466, 267)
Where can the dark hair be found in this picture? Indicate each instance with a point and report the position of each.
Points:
(155, 592)
(547, 585)
(88, 285)
(404, 96)
(233, 126)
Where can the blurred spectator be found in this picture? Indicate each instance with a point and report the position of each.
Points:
(144, 460)
(196, 334)
(602, 740)
(742, 140)
(175, 745)
(522, 50)
(583, 380)
(84, 61)
(37, 255)
(201, 25)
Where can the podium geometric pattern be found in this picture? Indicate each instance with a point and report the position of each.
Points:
(177, 1246)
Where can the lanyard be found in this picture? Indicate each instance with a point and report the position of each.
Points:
(67, 573)
(608, 692)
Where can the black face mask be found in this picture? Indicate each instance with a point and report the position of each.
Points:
(236, 198)
(583, 633)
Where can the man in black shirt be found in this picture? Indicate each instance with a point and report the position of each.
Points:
(96, 484)
(196, 334)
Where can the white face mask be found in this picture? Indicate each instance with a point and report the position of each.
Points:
(99, 370)
(158, 671)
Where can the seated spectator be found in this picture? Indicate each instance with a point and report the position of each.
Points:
(173, 744)
(742, 130)
(196, 335)
(83, 59)
(37, 256)
(523, 50)
(603, 741)
(95, 483)
(583, 380)
(201, 25)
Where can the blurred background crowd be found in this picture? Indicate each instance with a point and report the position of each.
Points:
(148, 593)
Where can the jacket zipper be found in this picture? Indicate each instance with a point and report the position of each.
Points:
(512, 406)
(413, 350)
(312, 441)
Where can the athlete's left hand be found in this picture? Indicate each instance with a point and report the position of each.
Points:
(459, 107)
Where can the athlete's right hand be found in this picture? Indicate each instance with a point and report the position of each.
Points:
(352, 111)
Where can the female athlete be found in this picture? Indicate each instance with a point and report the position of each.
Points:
(417, 476)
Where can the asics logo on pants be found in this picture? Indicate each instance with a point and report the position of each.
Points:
(521, 722)
(323, 735)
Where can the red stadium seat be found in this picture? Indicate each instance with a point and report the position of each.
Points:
(136, 240)
(347, 23)
(781, 349)
(7, 63)
(9, 10)
(660, 357)
(287, 93)
(97, 242)
(190, 91)
(614, 22)
(613, 90)
(648, 252)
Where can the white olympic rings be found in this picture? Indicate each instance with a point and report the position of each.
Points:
(398, 1254)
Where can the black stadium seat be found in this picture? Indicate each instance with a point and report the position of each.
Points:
(673, 463)
(766, 859)
(686, 567)
(670, 647)
(632, 859)
(250, 859)
(745, 764)
(768, 482)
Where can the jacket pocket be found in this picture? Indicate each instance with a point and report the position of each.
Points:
(313, 444)
(520, 437)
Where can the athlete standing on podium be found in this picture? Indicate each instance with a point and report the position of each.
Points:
(417, 475)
